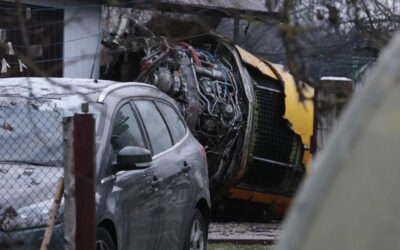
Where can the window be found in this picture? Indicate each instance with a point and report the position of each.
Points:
(159, 136)
(45, 31)
(126, 131)
(174, 122)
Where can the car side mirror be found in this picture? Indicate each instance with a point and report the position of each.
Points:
(130, 158)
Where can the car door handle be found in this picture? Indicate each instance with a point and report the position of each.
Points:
(156, 183)
(186, 167)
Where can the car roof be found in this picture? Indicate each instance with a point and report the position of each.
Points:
(48, 88)
(63, 88)
(134, 89)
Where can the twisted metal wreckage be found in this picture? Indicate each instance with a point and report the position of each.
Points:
(244, 110)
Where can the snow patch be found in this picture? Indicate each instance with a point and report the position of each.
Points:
(41, 87)
(335, 78)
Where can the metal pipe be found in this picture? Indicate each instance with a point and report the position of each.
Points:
(210, 72)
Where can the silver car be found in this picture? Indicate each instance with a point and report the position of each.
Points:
(151, 173)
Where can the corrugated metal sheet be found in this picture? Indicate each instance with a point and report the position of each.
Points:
(227, 8)
(248, 5)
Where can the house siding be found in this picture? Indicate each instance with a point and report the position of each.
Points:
(82, 34)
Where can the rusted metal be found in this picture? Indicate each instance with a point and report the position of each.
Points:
(79, 173)
(84, 163)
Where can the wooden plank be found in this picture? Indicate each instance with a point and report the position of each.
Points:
(53, 214)
(69, 185)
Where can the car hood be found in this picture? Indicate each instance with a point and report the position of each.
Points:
(23, 185)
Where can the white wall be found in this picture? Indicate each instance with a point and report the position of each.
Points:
(82, 28)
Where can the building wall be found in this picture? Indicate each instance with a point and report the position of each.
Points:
(82, 37)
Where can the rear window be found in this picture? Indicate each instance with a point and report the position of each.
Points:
(156, 128)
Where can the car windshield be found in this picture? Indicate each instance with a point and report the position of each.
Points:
(31, 132)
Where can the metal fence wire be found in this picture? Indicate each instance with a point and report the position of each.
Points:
(31, 157)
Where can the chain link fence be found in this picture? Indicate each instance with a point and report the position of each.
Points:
(31, 161)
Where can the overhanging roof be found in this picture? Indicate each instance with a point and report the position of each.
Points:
(224, 8)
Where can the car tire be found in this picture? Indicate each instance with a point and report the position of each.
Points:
(196, 235)
(104, 240)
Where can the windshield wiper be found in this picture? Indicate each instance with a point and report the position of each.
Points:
(34, 163)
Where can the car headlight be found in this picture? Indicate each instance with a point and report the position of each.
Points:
(35, 215)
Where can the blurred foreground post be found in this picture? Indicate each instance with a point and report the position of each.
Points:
(79, 172)
(349, 201)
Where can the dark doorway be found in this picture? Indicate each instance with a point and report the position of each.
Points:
(44, 29)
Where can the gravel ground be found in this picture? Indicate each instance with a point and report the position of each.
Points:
(231, 246)
(244, 233)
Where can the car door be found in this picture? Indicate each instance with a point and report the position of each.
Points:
(161, 143)
(132, 198)
(178, 175)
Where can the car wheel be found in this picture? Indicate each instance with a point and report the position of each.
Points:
(196, 235)
(104, 240)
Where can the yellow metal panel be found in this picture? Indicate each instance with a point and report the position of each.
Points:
(299, 114)
(256, 62)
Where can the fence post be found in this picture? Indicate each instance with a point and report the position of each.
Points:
(332, 94)
(79, 168)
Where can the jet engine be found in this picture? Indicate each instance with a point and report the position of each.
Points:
(234, 103)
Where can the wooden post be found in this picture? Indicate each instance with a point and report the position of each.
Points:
(79, 167)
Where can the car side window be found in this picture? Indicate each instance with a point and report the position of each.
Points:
(126, 131)
(156, 128)
(174, 122)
